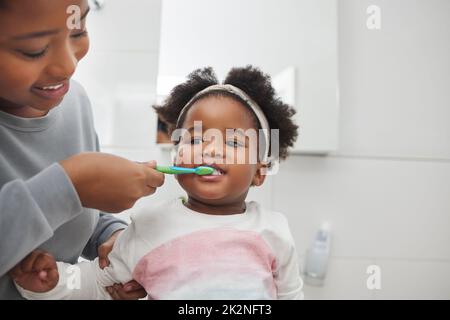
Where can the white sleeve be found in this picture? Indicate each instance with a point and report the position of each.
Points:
(76, 282)
(287, 273)
(86, 280)
(287, 277)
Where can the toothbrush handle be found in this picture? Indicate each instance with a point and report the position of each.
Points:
(173, 170)
(165, 169)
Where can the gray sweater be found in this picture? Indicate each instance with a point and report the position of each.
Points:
(39, 207)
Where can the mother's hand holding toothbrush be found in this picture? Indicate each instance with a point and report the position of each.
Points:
(109, 183)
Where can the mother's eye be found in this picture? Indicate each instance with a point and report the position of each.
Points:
(34, 55)
(79, 35)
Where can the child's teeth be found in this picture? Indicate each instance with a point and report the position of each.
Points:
(216, 172)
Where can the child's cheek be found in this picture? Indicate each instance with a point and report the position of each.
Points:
(241, 176)
(239, 155)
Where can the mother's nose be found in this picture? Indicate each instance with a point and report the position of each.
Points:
(64, 63)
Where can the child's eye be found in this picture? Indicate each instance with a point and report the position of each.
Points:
(34, 55)
(234, 143)
(79, 35)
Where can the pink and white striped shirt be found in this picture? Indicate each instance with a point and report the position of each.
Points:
(177, 253)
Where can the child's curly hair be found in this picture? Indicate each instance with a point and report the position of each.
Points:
(253, 82)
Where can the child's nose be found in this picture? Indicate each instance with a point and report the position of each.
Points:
(212, 150)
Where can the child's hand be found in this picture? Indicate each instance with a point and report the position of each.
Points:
(110, 183)
(128, 291)
(37, 272)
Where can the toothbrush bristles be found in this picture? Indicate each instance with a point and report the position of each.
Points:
(203, 170)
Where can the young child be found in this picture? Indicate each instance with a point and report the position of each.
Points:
(214, 244)
(52, 182)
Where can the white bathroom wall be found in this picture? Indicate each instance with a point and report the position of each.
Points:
(385, 191)
(121, 69)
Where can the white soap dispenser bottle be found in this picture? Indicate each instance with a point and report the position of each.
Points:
(316, 261)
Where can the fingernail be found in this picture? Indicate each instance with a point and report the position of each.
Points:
(128, 288)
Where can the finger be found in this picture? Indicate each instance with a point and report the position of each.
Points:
(131, 286)
(148, 191)
(16, 272)
(43, 275)
(115, 295)
(154, 178)
(28, 263)
(103, 252)
(151, 164)
(133, 295)
(112, 293)
(103, 262)
(53, 275)
(44, 261)
(106, 248)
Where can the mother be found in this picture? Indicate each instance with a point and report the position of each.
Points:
(52, 181)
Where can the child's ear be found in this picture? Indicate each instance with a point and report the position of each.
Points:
(258, 178)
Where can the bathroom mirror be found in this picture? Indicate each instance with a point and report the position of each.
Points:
(294, 41)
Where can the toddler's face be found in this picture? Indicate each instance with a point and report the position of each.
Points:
(231, 155)
(38, 53)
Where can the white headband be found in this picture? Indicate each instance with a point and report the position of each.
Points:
(243, 96)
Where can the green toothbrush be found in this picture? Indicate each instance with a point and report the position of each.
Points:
(201, 171)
